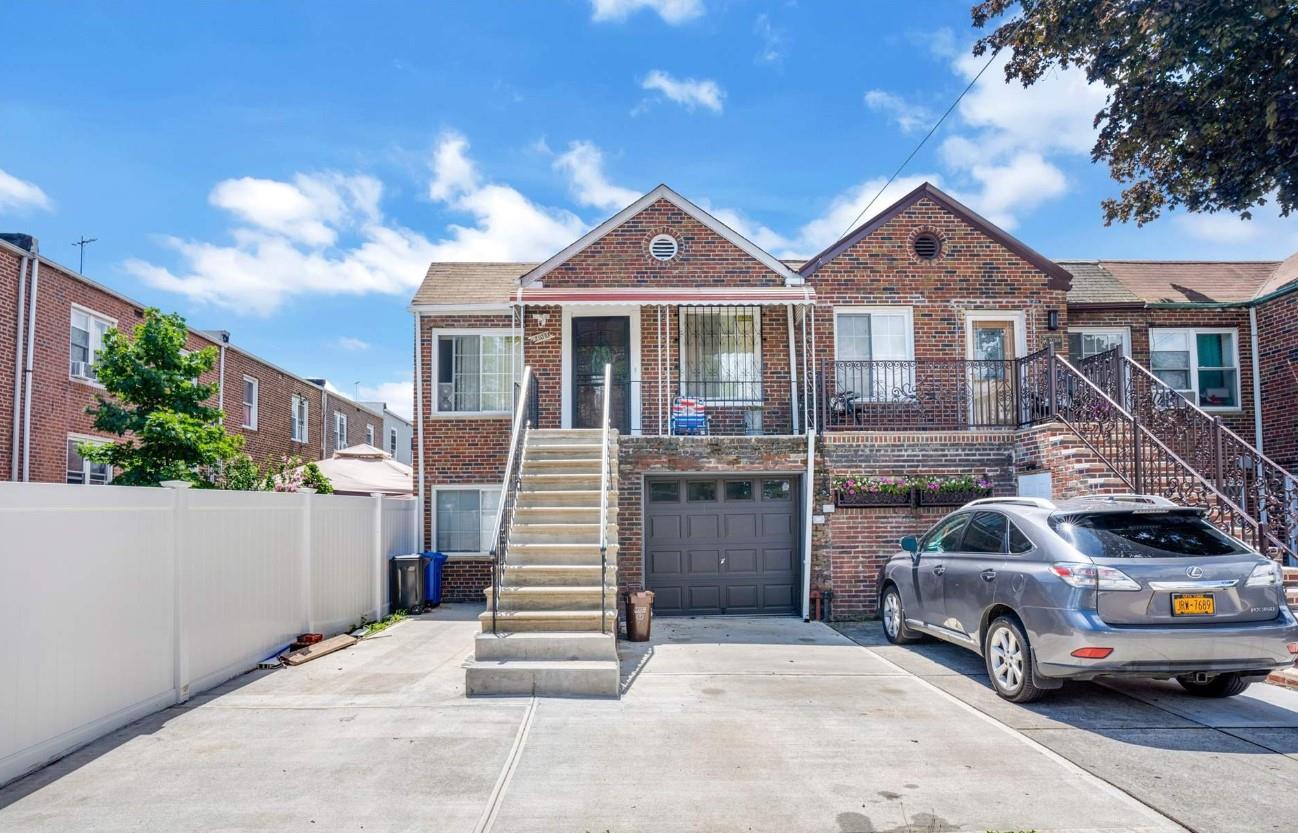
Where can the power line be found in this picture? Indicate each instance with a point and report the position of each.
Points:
(929, 134)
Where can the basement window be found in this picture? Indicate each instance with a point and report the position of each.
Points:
(465, 519)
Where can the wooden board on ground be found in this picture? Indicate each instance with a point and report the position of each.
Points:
(328, 646)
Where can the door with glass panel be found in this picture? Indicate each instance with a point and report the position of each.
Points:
(993, 349)
(597, 341)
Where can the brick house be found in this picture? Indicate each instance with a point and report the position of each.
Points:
(925, 343)
(43, 412)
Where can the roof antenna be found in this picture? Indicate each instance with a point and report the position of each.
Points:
(82, 243)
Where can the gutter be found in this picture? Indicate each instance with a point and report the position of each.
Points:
(18, 365)
(27, 370)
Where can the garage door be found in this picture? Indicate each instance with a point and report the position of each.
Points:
(722, 544)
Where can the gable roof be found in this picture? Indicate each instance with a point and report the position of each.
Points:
(1060, 278)
(662, 192)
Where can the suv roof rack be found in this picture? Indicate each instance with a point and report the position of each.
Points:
(1036, 502)
(1152, 500)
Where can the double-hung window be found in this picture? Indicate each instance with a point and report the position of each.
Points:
(466, 519)
(1201, 364)
(721, 354)
(1084, 342)
(875, 351)
(392, 441)
(250, 402)
(369, 434)
(82, 471)
(85, 341)
(340, 430)
(298, 419)
(476, 372)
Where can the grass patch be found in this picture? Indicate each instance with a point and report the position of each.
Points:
(383, 624)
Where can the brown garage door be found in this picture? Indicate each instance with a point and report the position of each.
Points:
(722, 544)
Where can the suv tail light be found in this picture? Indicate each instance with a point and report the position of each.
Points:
(1265, 575)
(1093, 576)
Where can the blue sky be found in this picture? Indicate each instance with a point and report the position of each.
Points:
(287, 170)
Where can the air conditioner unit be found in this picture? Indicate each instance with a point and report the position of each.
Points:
(82, 370)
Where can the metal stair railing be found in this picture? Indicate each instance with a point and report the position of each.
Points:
(1263, 489)
(604, 470)
(523, 417)
(1139, 457)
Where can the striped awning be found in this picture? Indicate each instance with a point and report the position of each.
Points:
(654, 296)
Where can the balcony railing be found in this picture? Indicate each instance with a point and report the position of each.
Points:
(937, 395)
(716, 407)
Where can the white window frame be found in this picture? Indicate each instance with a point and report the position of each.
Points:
(1193, 341)
(369, 434)
(94, 351)
(1124, 333)
(905, 311)
(251, 424)
(340, 430)
(888, 387)
(517, 370)
(683, 316)
(466, 487)
(393, 437)
(301, 425)
(85, 464)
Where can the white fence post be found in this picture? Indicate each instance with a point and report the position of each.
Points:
(378, 555)
(179, 638)
(308, 621)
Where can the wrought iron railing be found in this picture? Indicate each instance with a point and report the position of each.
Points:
(605, 466)
(523, 421)
(724, 407)
(936, 394)
(1236, 468)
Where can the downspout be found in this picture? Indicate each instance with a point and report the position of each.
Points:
(793, 369)
(1257, 381)
(809, 498)
(18, 366)
(27, 371)
(419, 426)
(220, 384)
(324, 423)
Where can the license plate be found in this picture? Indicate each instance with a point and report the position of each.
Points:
(1193, 604)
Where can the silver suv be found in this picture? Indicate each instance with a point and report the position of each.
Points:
(1121, 585)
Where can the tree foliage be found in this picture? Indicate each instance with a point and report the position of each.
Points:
(158, 406)
(1203, 94)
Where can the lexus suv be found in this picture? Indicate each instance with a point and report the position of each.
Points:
(1121, 585)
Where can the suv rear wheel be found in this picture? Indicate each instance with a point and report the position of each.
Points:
(1222, 685)
(1009, 661)
(894, 618)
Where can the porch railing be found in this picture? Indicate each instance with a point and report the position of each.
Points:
(523, 421)
(605, 467)
(1236, 468)
(720, 407)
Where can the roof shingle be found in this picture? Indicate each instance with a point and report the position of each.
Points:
(470, 283)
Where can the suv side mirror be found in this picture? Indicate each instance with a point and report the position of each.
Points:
(910, 544)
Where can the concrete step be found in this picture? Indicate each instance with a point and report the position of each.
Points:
(568, 436)
(553, 597)
(534, 481)
(535, 553)
(543, 678)
(531, 532)
(536, 575)
(563, 464)
(564, 497)
(558, 514)
(574, 450)
(546, 646)
(520, 621)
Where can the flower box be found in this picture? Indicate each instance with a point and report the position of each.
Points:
(941, 497)
(845, 498)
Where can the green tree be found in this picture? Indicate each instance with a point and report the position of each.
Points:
(158, 406)
(1203, 94)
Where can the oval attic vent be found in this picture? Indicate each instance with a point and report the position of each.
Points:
(926, 246)
(663, 247)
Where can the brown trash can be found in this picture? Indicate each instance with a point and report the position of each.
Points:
(639, 615)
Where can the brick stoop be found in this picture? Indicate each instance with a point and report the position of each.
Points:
(1288, 677)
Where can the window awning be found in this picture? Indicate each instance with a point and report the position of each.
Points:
(654, 296)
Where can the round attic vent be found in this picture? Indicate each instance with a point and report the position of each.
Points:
(926, 246)
(663, 247)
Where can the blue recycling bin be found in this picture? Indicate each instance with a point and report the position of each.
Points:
(434, 562)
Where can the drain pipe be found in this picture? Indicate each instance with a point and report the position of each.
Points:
(419, 427)
(1257, 382)
(27, 370)
(18, 366)
(809, 495)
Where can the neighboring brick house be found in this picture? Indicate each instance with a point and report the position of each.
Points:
(398, 435)
(911, 348)
(276, 412)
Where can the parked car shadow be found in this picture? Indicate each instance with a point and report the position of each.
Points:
(1143, 712)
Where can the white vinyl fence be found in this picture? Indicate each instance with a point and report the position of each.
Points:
(117, 601)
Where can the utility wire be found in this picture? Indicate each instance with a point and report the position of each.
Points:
(927, 135)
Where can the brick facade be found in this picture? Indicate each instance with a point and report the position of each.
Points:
(59, 402)
(1277, 325)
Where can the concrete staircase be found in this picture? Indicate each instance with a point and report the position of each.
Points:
(548, 638)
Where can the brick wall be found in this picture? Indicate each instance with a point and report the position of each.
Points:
(463, 580)
(9, 267)
(1277, 324)
(1239, 420)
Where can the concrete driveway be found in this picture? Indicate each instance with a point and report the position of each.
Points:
(725, 725)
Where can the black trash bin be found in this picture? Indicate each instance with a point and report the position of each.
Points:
(406, 582)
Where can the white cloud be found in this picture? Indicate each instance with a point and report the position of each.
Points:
(583, 162)
(688, 92)
(325, 234)
(844, 212)
(774, 41)
(674, 12)
(353, 344)
(1219, 228)
(20, 195)
(906, 115)
(1019, 184)
(399, 396)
